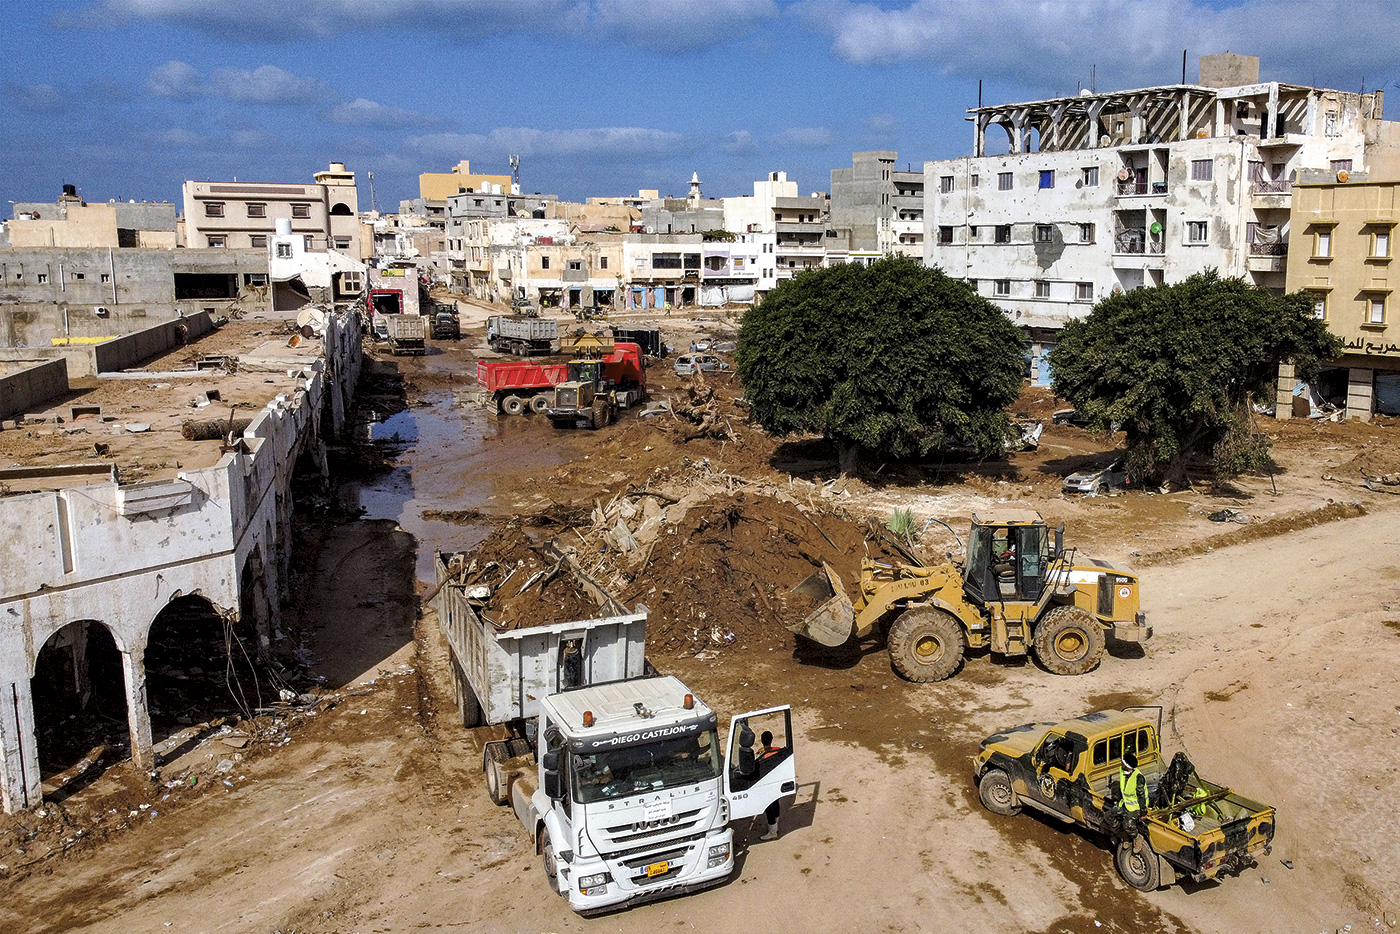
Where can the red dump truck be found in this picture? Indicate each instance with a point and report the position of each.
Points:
(516, 387)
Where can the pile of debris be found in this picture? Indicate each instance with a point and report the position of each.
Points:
(702, 414)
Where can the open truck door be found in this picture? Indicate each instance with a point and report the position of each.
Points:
(754, 779)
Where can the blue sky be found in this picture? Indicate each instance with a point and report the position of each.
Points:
(127, 98)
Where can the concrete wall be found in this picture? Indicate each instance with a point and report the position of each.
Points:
(85, 360)
(117, 555)
(28, 387)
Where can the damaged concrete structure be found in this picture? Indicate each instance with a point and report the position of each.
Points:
(119, 528)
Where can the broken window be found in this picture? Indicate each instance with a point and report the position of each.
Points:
(1319, 305)
(301, 210)
(257, 209)
(1332, 129)
(945, 235)
(945, 184)
(1042, 289)
(1203, 170)
(126, 237)
(1002, 287)
(972, 233)
(1090, 176)
(544, 262)
(1003, 233)
(1084, 291)
(213, 209)
(1044, 233)
(1196, 231)
(1003, 181)
(1086, 233)
(1047, 178)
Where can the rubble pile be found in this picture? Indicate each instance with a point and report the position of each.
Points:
(702, 416)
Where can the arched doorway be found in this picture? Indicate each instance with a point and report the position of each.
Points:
(79, 696)
(200, 666)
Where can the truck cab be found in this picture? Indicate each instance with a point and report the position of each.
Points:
(632, 794)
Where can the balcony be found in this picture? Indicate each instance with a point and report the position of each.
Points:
(1133, 188)
(1133, 250)
(1274, 186)
(1267, 257)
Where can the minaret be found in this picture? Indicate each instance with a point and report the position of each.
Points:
(694, 196)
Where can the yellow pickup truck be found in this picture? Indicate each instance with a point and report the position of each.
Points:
(1069, 770)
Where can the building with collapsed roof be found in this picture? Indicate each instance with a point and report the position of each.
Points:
(1107, 191)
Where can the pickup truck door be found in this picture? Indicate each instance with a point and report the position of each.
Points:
(1054, 760)
(752, 780)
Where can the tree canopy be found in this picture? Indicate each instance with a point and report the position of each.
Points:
(894, 358)
(1175, 367)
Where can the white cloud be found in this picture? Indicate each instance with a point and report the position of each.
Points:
(739, 143)
(813, 136)
(882, 123)
(364, 112)
(673, 25)
(180, 138)
(176, 79)
(268, 84)
(1051, 44)
(621, 142)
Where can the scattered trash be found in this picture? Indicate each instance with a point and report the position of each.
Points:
(1229, 515)
(1288, 863)
(224, 767)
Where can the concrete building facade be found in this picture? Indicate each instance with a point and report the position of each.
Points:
(224, 215)
(439, 186)
(72, 222)
(1112, 191)
(1341, 254)
(877, 207)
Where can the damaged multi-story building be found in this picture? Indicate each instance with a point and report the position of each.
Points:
(1108, 191)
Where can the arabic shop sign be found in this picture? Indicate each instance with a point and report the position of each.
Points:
(1362, 345)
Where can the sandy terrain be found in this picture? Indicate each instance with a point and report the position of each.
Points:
(1276, 658)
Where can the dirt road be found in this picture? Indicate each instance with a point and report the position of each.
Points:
(1276, 660)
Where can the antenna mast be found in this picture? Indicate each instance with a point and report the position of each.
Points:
(373, 204)
(515, 174)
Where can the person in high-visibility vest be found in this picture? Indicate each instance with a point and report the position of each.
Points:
(1200, 809)
(774, 809)
(1132, 787)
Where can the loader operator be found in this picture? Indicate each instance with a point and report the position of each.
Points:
(1004, 561)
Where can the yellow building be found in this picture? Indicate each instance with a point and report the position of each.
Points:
(1341, 251)
(439, 186)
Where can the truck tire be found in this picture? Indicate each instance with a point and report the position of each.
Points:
(539, 403)
(512, 405)
(994, 788)
(600, 413)
(1137, 864)
(1069, 641)
(926, 644)
(497, 789)
(551, 868)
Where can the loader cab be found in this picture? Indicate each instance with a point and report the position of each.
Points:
(586, 371)
(1008, 555)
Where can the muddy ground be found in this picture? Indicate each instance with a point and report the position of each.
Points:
(1275, 657)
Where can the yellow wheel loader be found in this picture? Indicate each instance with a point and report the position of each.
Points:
(1018, 590)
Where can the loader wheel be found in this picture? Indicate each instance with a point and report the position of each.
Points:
(1069, 641)
(926, 644)
(600, 413)
(512, 405)
(1137, 864)
(997, 794)
(539, 403)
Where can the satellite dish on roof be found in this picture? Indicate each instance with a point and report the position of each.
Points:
(313, 318)
(1122, 175)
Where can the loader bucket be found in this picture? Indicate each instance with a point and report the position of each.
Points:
(833, 621)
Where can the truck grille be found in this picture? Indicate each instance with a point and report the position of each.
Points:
(626, 835)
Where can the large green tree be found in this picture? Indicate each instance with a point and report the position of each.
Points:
(892, 358)
(1175, 367)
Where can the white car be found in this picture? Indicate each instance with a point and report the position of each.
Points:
(692, 363)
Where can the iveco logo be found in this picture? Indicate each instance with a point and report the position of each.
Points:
(653, 824)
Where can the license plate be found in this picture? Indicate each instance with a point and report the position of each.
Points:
(658, 869)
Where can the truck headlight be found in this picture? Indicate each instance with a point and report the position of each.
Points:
(719, 855)
(595, 884)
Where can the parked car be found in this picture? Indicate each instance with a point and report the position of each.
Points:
(1098, 479)
(692, 363)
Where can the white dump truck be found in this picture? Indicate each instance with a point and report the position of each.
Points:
(616, 773)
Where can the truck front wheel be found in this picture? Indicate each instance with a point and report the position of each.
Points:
(996, 793)
(926, 644)
(496, 787)
(1137, 864)
(1069, 641)
(551, 868)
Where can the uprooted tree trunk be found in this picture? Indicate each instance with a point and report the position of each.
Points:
(701, 410)
(847, 457)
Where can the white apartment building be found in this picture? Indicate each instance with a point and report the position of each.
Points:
(1112, 191)
(238, 215)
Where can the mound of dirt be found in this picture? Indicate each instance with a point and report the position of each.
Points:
(527, 587)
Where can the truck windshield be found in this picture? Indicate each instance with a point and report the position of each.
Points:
(617, 773)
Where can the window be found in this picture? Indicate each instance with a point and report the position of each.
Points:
(1084, 291)
(1044, 233)
(1002, 287)
(1091, 176)
(1319, 305)
(341, 243)
(218, 242)
(777, 215)
(945, 184)
(1196, 231)
(79, 275)
(1339, 165)
(213, 209)
(284, 251)
(43, 278)
(257, 240)
(576, 265)
(974, 181)
(1003, 233)
(1375, 309)
(1332, 124)
(306, 241)
(666, 261)
(257, 210)
(301, 210)
(1380, 243)
(1322, 242)
(1042, 289)
(945, 235)
(544, 262)
(1202, 170)
(1003, 181)
(602, 262)
(1086, 233)
(106, 277)
(972, 232)
(1047, 178)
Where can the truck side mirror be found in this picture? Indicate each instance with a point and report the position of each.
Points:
(1060, 541)
(550, 760)
(553, 785)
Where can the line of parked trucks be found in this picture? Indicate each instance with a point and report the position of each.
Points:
(617, 773)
